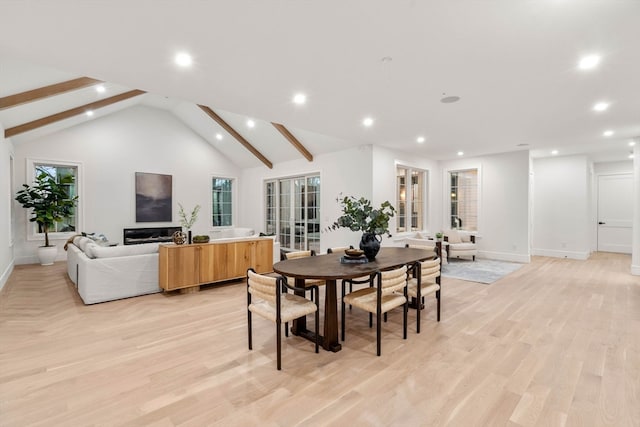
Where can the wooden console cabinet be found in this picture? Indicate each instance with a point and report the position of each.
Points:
(188, 266)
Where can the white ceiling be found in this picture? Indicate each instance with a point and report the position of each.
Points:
(512, 62)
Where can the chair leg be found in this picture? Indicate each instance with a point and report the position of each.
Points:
(286, 329)
(404, 320)
(378, 331)
(350, 290)
(385, 317)
(342, 312)
(278, 345)
(418, 310)
(249, 328)
(438, 297)
(370, 320)
(317, 328)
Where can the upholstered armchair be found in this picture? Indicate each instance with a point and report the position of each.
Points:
(461, 244)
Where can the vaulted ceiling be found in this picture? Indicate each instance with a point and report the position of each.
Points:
(512, 63)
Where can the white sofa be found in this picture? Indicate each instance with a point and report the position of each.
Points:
(107, 273)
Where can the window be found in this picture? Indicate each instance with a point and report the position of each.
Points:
(410, 199)
(68, 175)
(222, 202)
(464, 199)
(292, 211)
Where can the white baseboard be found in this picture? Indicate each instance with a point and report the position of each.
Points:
(505, 256)
(635, 270)
(560, 254)
(5, 275)
(33, 259)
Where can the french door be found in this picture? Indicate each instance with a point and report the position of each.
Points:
(293, 211)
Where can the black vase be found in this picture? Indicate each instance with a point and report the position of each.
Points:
(370, 244)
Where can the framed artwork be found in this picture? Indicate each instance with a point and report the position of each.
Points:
(153, 197)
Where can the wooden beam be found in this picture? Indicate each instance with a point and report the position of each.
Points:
(236, 135)
(46, 92)
(70, 113)
(293, 140)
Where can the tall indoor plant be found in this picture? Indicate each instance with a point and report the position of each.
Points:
(49, 202)
(360, 215)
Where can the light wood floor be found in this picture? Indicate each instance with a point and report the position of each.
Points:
(555, 343)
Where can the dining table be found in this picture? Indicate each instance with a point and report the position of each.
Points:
(330, 268)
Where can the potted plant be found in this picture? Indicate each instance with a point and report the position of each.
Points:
(49, 202)
(188, 221)
(439, 236)
(359, 215)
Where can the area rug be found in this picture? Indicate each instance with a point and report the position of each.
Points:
(481, 270)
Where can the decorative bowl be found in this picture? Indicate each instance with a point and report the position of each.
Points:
(354, 253)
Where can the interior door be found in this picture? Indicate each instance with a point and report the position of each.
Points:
(615, 213)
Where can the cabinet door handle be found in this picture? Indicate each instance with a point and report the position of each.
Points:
(601, 223)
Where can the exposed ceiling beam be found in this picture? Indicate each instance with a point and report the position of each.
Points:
(45, 92)
(70, 113)
(236, 135)
(293, 140)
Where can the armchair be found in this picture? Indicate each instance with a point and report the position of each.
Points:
(461, 244)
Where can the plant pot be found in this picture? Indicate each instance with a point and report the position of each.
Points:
(47, 254)
(370, 244)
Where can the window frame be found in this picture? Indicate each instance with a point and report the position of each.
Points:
(408, 201)
(234, 198)
(32, 234)
(447, 196)
(276, 180)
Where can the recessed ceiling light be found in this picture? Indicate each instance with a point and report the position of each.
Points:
(589, 62)
(608, 133)
(183, 59)
(632, 143)
(368, 121)
(601, 106)
(100, 89)
(420, 139)
(89, 113)
(299, 98)
(219, 136)
(450, 99)
(554, 152)
(251, 123)
(460, 153)
(631, 156)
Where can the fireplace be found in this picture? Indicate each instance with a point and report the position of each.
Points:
(136, 236)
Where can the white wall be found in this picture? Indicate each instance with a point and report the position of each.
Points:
(635, 255)
(6, 245)
(562, 207)
(111, 149)
(503, 217)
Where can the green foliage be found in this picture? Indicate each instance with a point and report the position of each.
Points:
(48, 200)
(187, 222)
(359, 215)
(438, 235)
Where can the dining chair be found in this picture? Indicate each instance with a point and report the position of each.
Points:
(308, 283)
(389, 292)
(426, 280)
(358, 280)
(266, 299)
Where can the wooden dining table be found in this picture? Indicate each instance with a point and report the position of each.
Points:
(329, 268)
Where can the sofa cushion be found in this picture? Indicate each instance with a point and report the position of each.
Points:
(465, 237)
(454, 236)
(96, 251)
(82, 242)
(463, 247)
